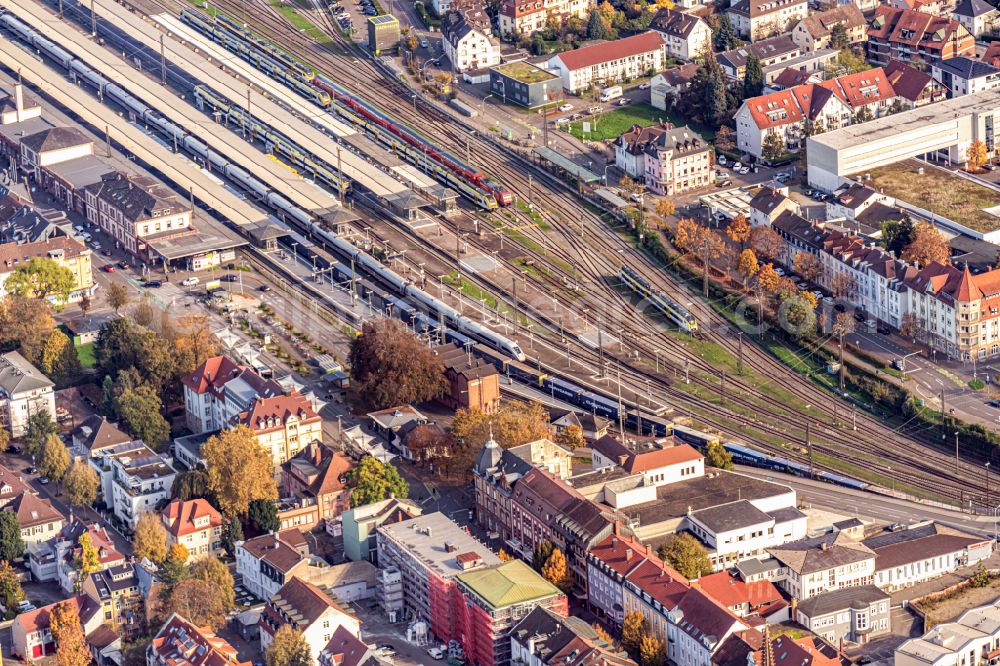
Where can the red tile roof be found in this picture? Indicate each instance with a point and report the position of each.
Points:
(32, 510)
(216, 372)
(180, 643)
(909, 82)
(270, 414)
(729, 590)
(595, 54)
(38, 619)
(644, 454)
(919, 29)
(180, 516)
(862, 88)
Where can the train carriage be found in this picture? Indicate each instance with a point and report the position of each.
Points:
(695, 438)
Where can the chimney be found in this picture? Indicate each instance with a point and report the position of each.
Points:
(795, 606)
(628, 554)
(617, 527)
(824, 546)
(317, 453)
(649, 550)
(18, 100)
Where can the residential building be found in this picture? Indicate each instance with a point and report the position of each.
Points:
(685, 36)
(609, 565)
(757, 647)
(54, 560)
(64, 251)
(54, 145)
(95, 435)
(465, 46)
(608, 63)
(419, 560)
(194, 524)
(346, 649)
(135, 209)
(545, 638)
(815, 30)
(102, 464)
(676, 161)
(798, 112)
(654, 588)
(472, 381)
(283, 425)
(855, 614)
(31, 634)
(776, 54)
(913, 87)
(116, 591)
(935, 7)
(743, 599)
(39, 520)
(219, 390)
(760, 19)
(24, 391)
(630, 149)
(698, 627)
(666, 87)
(769, 204)
(830, 562)
(387, 423)
(140, 480)
(738, 531)
(486, 603)
(522, 83)
(525, 17)
(968, 640)
(963, 75)
(318, 475)
(309, 610)
(922, 552)
(913, 37)
(360, 526)
(267, 562)
(978, 16)
(592, 427)
(180, 643)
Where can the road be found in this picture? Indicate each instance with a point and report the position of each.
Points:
(877, 507)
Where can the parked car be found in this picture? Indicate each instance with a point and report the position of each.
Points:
(884, 330)
(424, 43)
(190, 282)
(721, 160)
(993, 403)
(30, 470)
(44, 480)
(153, 284)
(624, 101)
(644, 86)
(840, 307)
(436, 653)
(108, 268)
(743, 170)
(737, 166)
(107, 252)
(122, 264)
(780, 272)
(859, 317)
(563, 108)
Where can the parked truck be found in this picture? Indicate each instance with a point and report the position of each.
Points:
(608, 94)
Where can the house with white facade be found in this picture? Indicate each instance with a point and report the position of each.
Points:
(544, 638)
(685, 36)
(140, 480)
(31, 632)
(194, 524)
(963, 75)
(268, 561)
(307, 609)
(609, 63)
(759, 19)
(922, 552)
(698, 627)
(978, 16)
(24, 392)
(815, 30)
(525, 17)
(738, 530)
(630, 149)
(968, 640)
(821, 564)
(855, 614)
(219, 390)
(466, 46)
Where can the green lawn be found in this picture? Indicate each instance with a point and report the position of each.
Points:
(85, 353)
(612, 124)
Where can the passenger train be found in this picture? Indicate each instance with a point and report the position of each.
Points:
(395, 135)
(674, 311)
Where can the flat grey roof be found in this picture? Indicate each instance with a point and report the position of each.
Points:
(82, 171)
(732, 516)
(17, 131)
(565, 163)
(210, 235)
(897, 123)
(425, 538)
(800, 60)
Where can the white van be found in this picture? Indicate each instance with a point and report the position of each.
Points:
(608, 94)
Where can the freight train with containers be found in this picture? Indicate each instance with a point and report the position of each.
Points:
(387, 130)
(746, 455)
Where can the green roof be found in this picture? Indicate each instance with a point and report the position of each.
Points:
(510, 583)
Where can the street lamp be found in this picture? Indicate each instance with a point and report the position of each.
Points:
(987, 483)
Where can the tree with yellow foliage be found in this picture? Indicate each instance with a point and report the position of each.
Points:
(557, 572)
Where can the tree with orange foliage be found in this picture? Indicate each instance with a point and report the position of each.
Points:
(765, 281)
(808, 266)
(701, 242)
(844, 285)
(747, 265)
(766, 242)
(738, 230)
(927, 246)
(71, 644)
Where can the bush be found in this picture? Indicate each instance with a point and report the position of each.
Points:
(977, 385)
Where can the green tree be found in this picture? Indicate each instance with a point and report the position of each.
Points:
(263, 515)
(116, 296)
(59, 360)
(724, 37)
(753, 78)
(40, 428)
(391, 366)
(81, 484)
(557, 571)
(150, 538)
(838, 37)
(716, 100)
(214, 571)
(542, 553)
(54, 460)
(67, 630)
(773, 147)
(11, 543)
(897, 234)
(240, 470)
(634, 627)
(686, 555)
(863, 115)
(41, 278)
(139, 409)
(798, 312)
(232, 531)
(11, 593)
(597, 28)
(289, 648)
(190, 484)
(717, 456)
(538, 44)
(373, 481)
(651, 651)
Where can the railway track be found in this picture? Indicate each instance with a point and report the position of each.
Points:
(589, 246)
